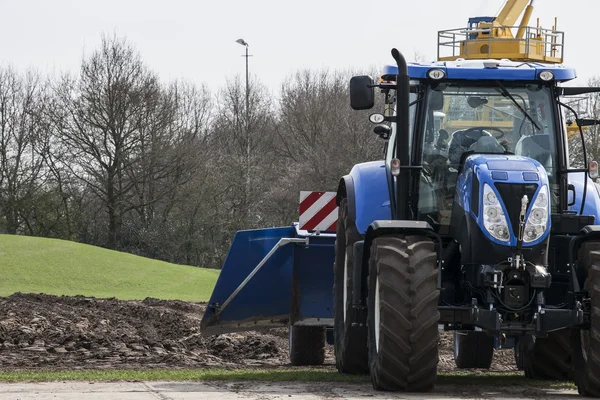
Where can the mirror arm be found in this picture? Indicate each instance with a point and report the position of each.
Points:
(587, 121)
(574, 91)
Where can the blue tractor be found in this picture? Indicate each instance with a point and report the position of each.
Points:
(485, 230)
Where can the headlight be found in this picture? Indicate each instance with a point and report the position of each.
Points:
(546, 75)
(436, 74)
(494, 219)
(538, 217)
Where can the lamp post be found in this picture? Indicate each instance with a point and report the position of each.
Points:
(247, 128)
(243, 43)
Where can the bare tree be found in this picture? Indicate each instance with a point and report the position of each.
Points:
(319, 138)
(20, 164)
(102, 115)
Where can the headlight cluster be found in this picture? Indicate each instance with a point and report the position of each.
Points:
(494, 219)
(538, 217)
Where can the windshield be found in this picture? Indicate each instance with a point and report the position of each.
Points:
(491, 119)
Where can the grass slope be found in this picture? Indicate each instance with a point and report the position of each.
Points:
(59, 267)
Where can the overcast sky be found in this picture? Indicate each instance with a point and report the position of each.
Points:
(195, 39)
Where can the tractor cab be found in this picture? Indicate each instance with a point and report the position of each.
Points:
(462, 109)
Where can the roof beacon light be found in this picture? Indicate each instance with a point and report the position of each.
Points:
(546, 75)
(436, 74)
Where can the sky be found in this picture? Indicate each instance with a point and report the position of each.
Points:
(194, 40)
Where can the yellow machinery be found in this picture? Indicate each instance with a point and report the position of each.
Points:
(495, 37)
(499, 38)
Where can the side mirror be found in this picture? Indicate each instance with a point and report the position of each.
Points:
(362, 93)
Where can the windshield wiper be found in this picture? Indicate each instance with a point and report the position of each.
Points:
(506, 93)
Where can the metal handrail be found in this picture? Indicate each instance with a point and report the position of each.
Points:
(551, 40)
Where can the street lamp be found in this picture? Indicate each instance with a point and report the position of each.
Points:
(243, 43)
(247, 125)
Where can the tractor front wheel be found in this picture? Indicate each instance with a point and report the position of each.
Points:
(473, 349)
(547, 358)
(403, 313)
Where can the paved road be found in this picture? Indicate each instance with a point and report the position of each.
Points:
(249, 391)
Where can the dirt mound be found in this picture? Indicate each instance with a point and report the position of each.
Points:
(42, 331)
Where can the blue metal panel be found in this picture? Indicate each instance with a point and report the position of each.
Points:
(296, 283)
(371, 194)
(313, 278)
(474, 20)
(528, 71)
(268, 295)
(510, 74)
(504, 164)
(592, 200)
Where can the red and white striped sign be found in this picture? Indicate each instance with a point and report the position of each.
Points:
(318, 211)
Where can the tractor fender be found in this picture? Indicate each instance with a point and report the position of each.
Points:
(367, 190)
(592, 197)
(589, 232)
(362, 250)
(381, 227)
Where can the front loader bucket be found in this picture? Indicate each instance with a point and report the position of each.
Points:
(273, 277)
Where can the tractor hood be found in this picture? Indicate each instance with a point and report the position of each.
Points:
(492, 187)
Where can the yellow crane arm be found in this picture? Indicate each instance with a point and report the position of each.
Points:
(525, 20)
(509, 14)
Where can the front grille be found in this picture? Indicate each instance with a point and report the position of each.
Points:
(511, 194)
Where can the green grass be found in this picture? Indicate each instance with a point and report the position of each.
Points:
(59, 267)
(266, 375)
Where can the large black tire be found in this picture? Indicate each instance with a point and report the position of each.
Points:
(403, 313)
(307, 345)
(586, 343)
(473, 349)
(547, 358)
(350, 342)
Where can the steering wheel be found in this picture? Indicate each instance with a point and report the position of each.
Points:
(480, 129)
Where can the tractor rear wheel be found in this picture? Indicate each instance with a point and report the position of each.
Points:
(473, 349)
(586, 343)
(403, 313)
(547, 358)
(350, 342)
(307, 345)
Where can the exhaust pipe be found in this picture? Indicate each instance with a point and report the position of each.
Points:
(402, 137)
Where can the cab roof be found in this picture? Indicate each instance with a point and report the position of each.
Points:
(485, 70)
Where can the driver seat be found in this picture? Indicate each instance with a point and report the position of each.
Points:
(460, 144)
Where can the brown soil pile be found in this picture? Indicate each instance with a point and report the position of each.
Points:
(42, 331)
